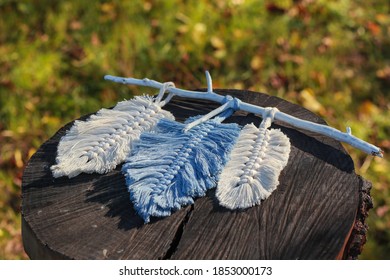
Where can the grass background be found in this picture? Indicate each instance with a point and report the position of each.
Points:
(332, 57)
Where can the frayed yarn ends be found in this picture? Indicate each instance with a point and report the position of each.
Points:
(168, 168)
(252, 173)
(103, 141)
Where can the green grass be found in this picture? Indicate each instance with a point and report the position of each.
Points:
(333, 57)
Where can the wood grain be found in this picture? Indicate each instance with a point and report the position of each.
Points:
(309, 216)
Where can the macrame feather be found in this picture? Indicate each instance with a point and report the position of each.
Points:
(168, 168)
(252, 172)
(103, 141)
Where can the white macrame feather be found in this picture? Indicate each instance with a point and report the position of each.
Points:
(103, 141)
(252, 173)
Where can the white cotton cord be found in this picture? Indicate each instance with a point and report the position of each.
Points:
(230, 103)
(163, 89)
(268, 116)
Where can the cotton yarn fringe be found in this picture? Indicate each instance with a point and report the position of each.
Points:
(103, 141)
(168, 168)
(252, 173)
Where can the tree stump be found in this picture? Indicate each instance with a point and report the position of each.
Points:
(317, 212)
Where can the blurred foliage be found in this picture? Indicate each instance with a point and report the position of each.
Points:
(332, 57)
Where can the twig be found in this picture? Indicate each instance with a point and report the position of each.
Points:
(331, 132)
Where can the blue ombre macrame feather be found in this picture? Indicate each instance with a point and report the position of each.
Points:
(168, 168)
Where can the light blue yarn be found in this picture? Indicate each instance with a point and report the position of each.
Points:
(168, 168)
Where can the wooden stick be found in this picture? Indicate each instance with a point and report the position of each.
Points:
(331, 132)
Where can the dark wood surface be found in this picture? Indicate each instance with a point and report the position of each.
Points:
(314, 214)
